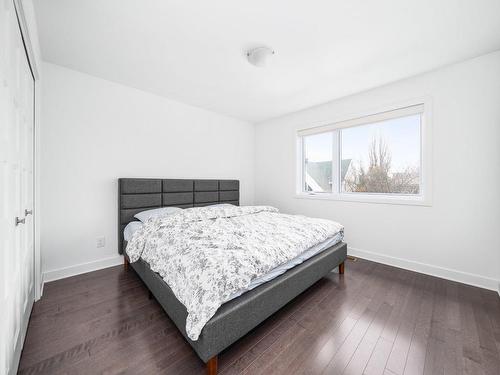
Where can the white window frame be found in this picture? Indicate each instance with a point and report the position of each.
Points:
(424, 198)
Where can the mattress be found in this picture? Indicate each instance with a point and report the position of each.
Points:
(133, 226)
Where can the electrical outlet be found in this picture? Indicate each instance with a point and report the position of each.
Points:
(101, 241)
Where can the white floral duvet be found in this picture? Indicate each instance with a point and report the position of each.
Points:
(207, 254)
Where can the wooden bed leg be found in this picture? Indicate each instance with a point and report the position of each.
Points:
(125, 263)
(212, 366)
(341, 268)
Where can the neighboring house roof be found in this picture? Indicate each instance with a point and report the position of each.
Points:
(319, 174)
(345, 164)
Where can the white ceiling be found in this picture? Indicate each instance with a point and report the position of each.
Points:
(193, 50)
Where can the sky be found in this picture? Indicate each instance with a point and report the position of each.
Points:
(402, 136)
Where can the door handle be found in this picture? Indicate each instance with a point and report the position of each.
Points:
(20, 221)
(28, 212)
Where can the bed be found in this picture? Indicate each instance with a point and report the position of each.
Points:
(241, 314)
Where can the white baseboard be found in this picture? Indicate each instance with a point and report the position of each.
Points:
(444, 273)
(42, 281)
(78, 269)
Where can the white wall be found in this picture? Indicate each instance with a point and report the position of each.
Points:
(95, 131)
(458, 237)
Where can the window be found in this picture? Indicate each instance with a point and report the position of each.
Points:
(372, 158)
(318, 156)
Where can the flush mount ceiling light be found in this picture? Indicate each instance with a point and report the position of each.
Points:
(259, 56)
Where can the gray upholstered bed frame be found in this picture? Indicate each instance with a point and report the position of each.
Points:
(239, 316)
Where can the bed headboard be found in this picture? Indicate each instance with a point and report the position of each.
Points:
(139, 194)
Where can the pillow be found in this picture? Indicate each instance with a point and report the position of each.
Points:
(156, 212)
(221, 205)
(130, 229)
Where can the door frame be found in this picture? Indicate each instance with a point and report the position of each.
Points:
(34, 68)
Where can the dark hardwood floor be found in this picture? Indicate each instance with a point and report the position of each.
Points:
(375, 319)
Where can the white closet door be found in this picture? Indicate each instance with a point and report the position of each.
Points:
(16, 189)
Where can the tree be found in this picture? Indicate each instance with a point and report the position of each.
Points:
(377, 177)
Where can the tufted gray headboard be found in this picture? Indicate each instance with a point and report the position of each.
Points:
(139, 194)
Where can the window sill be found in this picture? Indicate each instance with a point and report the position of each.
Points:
(367, 198)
